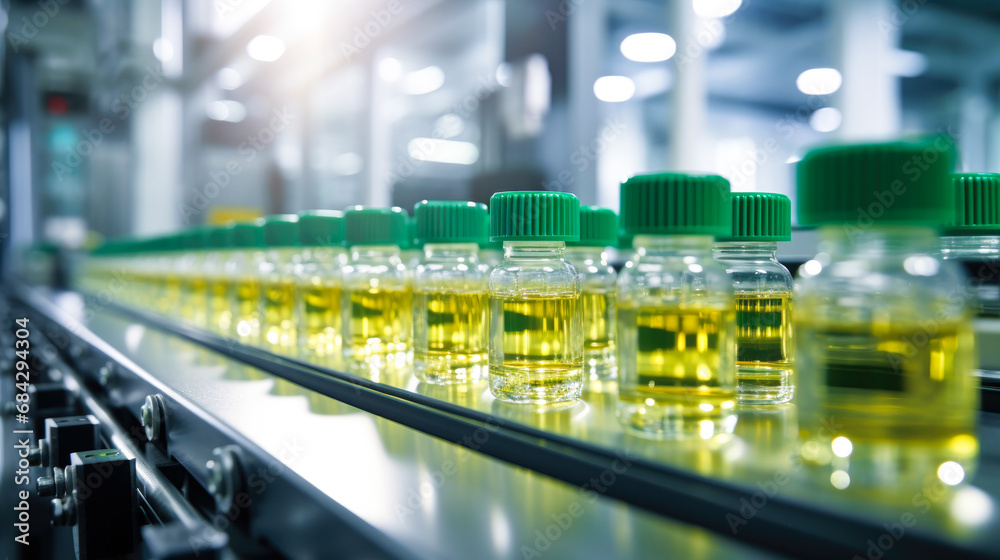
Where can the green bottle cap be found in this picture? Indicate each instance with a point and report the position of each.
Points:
(441, 221)
(218, 237)
(247, 235)
(675, 204)
(760, 217)
(977, 204)
(375, 226)
(534, 215)
(321, 228)
(624, 240)
(281, 230)
(411, 234)
(906, 182)
(195, 239)
(598, 227)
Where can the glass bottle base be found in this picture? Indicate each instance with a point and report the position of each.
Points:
(763, 384)
(686, 415)
(449, 367)
(538, 385)
(600, 365)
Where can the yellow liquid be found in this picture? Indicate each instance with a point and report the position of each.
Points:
(676, 373)
(321, 319)
(763, 339)
(220, 300)
(887, 404)
(536, 351)
(450, 336)
(170, 295)
(194, 300)
(379, 323)
(598, 310)
(278, 323)
(246, 315)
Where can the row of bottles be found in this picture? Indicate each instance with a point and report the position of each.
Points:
(879, 351)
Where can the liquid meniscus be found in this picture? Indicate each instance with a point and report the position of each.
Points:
(536, 353)
(763, 342)
(450, 336)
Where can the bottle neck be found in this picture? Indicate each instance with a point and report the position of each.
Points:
(462, 252)
(534, 249)
(673, 244)
(970, 247)
(746, 250)
(874, 242)
(370, 252)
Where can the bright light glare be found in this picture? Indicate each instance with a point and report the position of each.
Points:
(716, 8)
(951, 473)
(921, 265)
(228, 79)
(265, 48)
(707, 429)
(390, 69)
(504, 73)
(811, 268)
(423, 81)
(163, 49)
(226, 110)
(614, 89)
(971, 506)
(842, 447)
(819, 81)
(840, 479)
(908, 64)
(648, 47)
(826, 119)
(443, 151)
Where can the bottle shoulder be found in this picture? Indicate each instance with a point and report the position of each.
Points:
(535, 276)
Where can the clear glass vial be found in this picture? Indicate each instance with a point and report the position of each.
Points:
(277, 272)
(676, 320)
(319, 285)
(536, 329)
(218, 286)
(242, 271)
(192, 288)
(763, 290)
(598, 231)
(450, 328)
(884, 344)
(377, 310)
(973, 240)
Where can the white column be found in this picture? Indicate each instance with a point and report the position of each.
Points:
(688, 146)
(864, 35)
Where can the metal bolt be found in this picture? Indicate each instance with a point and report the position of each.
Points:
(224, 476)
(106, 375)
(151, 415)
(64, 511)
(54, 485)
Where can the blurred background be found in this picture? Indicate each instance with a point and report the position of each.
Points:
(136, 118)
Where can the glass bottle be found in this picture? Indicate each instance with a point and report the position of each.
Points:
(242, 270)
(320, 285)
(378, 312)
(598, 231)
(277, 273)
(884, 343)
(193, 306)
(217, 285)
(676, 332)
(973, 240)
(536, 330)
(763, 290)
(450, 328)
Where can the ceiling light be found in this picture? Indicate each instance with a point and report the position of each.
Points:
(228, 78)
(826, 119)
(443, 151)
(819, 81)
(648, 47)
(265, 48)
(423, 81)
(614, 89)
(716, 8)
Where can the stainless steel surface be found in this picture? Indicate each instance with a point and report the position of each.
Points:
(438, 499)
